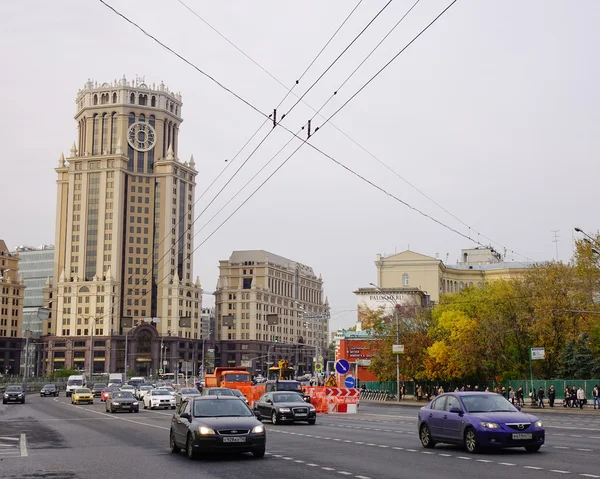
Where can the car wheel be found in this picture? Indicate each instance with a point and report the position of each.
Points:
(3, 401)
(535, 448)
(425, 435)
(471, 444)
(189, 448)
(274, 417)
(112, 411)
(145, 407)
(174, 447)
(23, 401)
(258, 453)
(312, 421)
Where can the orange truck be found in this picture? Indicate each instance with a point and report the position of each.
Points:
(233, 377)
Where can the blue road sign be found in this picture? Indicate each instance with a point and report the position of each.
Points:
(349, 382)
(342, 366)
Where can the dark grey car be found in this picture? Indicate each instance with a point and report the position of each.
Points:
(122, 401)
(13, 394)
(184, 393)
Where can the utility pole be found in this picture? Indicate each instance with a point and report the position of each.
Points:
(555, 241)
(397, 314)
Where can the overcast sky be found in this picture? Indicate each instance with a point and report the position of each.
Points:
(493, 113)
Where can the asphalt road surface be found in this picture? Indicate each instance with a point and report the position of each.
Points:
(48, 438)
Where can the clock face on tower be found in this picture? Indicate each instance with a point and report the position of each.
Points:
(141, 136)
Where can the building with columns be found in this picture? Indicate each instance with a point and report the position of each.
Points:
(269, 308)
(123, 239)
(11, 311)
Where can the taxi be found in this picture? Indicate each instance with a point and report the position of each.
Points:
(82, 395)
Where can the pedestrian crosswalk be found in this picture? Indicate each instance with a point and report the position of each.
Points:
(13, 446)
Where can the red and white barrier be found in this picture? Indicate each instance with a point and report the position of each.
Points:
(342, 400)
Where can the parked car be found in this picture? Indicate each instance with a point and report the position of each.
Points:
(216, 424)
(284, 406)
(106, 392)
(157, 398)
(122, 401)
(49, 390)
(82, 395)
(14, 394)
(478, 420)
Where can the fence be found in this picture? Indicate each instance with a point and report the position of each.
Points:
(559, 386)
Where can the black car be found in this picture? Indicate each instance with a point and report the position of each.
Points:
(49, 390)
(122, 401)
(14, 394)
(282, 406)
(216, 424)
(97, 389)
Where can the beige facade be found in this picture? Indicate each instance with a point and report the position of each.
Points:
(255, 284)
(125, 204)
(11, 295)
(433, 277)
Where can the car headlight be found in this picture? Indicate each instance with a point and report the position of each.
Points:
(5, 395)
(258, 429)
(539, 424)
(284, 409)
(20, 394)
(135, 403)
(490, 425)
(205, 431)
(311, 407)
(116, 403)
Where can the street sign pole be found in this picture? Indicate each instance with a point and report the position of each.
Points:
(531, 373)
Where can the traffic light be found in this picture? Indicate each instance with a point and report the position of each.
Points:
(276, 339)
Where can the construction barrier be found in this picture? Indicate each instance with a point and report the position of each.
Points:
(343, 400)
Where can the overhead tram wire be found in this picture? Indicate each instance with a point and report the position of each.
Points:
(316, 112)
(295, 135)
(250, 139)
(368, 152)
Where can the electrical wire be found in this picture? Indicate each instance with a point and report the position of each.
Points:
(371, 154)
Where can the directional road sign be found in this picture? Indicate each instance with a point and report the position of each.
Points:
(349, 382)
(342, 366)
(538, 353)
(160, 371)
(318, 367)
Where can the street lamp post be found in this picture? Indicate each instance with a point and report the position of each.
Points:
(397, 319)
(92, 326)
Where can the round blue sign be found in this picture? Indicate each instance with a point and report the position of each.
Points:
(342, 366)
(349, 382)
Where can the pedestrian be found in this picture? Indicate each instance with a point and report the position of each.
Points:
(511, 395)
(487, 390)
(520, 396)
(504, 392)
(596, 394)
(567, 400)
(541, 394)
(551, 395)
(574, 401)
(581, 397)
(419, 393)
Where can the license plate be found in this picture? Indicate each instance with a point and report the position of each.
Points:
(522, 435)
(301, 415)
(234, 439)
(125, 406)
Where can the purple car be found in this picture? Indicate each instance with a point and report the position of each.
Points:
(478, 420)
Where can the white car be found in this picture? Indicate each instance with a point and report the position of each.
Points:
(141, 391)
(167, 388)
(158, 398)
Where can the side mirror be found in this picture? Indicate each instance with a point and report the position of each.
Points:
(268, 401)
(258, 415)
(455, 410)
(185, 415)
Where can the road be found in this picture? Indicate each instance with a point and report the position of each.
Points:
(48, 438)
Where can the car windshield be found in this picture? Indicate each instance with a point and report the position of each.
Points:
(127, 387)
(74, 382)
(188, 391)
(122, 395)
(14, 389)
(287, 397)
(109, 390)
(237, 378)
(82, 391)
(220, 408)
(145, 388)
(160, 392)
(237, 392)
(487, 403)
(99, 386)
(49, 386)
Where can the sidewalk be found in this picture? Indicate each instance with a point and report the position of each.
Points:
(558, 406)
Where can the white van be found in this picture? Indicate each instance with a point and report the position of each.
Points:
(75, 382)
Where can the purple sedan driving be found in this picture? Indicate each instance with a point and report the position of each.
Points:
(478, 420)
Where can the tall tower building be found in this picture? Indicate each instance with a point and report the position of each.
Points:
(124, 206)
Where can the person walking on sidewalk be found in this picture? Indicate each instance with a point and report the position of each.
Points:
(551, 395)
(567, 400)
(574, 402)
(596, 394)
(541, 395)
(520, 396)
(581, 397)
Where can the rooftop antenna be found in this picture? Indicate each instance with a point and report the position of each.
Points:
(556, 240)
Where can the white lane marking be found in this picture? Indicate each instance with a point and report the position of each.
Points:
(8, 445)
(559, 471)
(483, 460)
(362, 477)
(328, 468)
(582, 449)
(427, 452)
(560, 447)
(464, 457)
(7, 438)
(399, 448)
(383, 445)
(23, 446)
(589, 475)
(313, 465)
(506, 464)
(345, 473)
(447, 455)
(410, 450)
(533, 467)
(300, 461)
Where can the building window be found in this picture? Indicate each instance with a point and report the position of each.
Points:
(405, 279)
(113, 139)
(96, 135)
